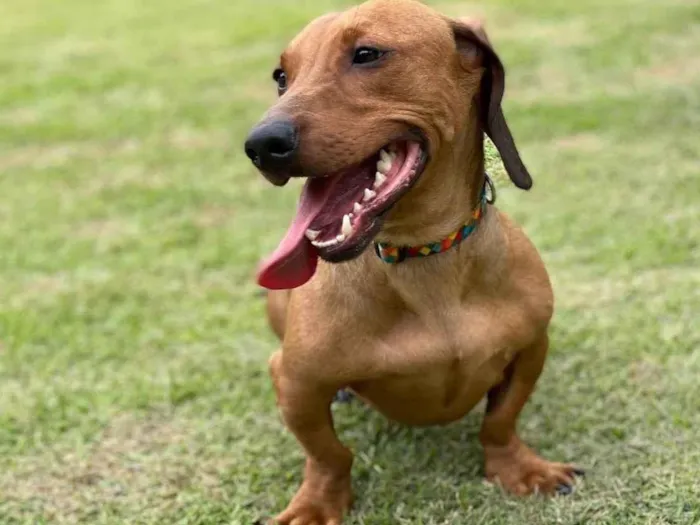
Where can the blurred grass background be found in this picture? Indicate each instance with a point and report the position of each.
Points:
(133, 381)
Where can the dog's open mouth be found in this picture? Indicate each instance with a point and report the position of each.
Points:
(339, 215)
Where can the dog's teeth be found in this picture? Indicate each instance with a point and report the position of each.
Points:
(384, 165)
(369, 195)
(385, 161)
(312, 234)
(326, 244)
(346, 228)
(357, 207)
(379, 179)
(340, 238)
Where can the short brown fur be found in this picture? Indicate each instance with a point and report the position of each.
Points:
(425, 340)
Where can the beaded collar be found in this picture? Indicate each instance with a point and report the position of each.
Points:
(395, 254)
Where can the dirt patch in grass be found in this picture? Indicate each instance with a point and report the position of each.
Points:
(683, 71)
(135, 463)
(189, 138)
(55, 155)
(584, 142)
(111, 228)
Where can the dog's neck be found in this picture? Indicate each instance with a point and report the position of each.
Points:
(445, 196)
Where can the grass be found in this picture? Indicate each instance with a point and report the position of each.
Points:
(133, 346)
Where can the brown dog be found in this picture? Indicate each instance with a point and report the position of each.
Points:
(383, 109)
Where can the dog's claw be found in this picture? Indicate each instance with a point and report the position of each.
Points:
(343, 396)
(581, 473)
(564, 490)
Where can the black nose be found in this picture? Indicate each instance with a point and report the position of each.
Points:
(272, 145)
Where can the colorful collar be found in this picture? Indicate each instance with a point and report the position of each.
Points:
(396, 254)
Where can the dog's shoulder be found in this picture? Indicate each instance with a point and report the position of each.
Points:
(527, 275)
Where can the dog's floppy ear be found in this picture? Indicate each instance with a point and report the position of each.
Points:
(476, 51)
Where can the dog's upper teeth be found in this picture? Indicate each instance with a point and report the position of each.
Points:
(384, 166)
(379, 179)
(346, 229)
(312, 234)
(357, 207)
(384, 162)
(340, 238)
(369, 195)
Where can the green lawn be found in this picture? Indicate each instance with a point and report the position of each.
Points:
(133, 345)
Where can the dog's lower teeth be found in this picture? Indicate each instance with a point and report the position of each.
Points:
(339, 238)
(346, 228)
(325, 244)
(369, 195)
(384, 165)
(379, 179)
(312, 235)
(357, 207)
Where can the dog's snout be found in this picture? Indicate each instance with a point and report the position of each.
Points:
(272, 146)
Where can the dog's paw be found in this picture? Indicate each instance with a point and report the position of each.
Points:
(521, 471)
(309, 514)
(311, 506)
(306, 517)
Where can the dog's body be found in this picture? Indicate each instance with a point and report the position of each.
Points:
(425, 340)
(421, 342)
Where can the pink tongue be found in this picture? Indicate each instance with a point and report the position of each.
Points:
(294, 261)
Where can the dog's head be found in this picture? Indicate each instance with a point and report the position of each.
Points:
(368, 99)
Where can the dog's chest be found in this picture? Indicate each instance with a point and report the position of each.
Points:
(429, 371)
(455, 339)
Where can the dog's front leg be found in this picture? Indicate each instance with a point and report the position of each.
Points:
(508, 460)
(325, 494)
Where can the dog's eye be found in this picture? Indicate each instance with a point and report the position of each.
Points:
(280, 77)
(367, 55)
